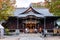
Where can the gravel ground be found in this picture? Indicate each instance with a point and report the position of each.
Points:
(30, 37)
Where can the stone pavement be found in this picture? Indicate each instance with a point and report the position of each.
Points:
(30, 37)
(10, 38)
(52, 38)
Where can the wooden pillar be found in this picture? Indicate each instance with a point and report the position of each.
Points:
(17, 22)
(54, 23)
(45, 31)
(23, 25)
(44, 23)
(17, 30)
(26, 23)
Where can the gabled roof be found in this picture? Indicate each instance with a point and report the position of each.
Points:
(30, 9)
(38, 12)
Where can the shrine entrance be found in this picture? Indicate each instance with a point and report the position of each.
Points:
(31, 26)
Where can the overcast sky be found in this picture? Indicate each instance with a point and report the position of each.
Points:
(26, 3)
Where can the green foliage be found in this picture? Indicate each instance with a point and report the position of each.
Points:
(6, 9)
(7, 31)
(55, 8)
(36, 5)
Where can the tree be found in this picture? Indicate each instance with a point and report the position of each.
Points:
(55, 7)
(6, 9)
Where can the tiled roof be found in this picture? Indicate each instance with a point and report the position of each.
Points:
(43, 11)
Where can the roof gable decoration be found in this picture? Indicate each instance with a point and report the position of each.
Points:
(31, 9)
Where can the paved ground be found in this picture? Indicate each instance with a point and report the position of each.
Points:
(30, 37)
(52, 38)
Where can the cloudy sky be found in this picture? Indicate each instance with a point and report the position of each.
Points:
(25, 3)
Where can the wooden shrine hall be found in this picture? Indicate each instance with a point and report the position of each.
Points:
(31, 20)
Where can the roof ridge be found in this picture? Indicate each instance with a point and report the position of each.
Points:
(31, 9)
